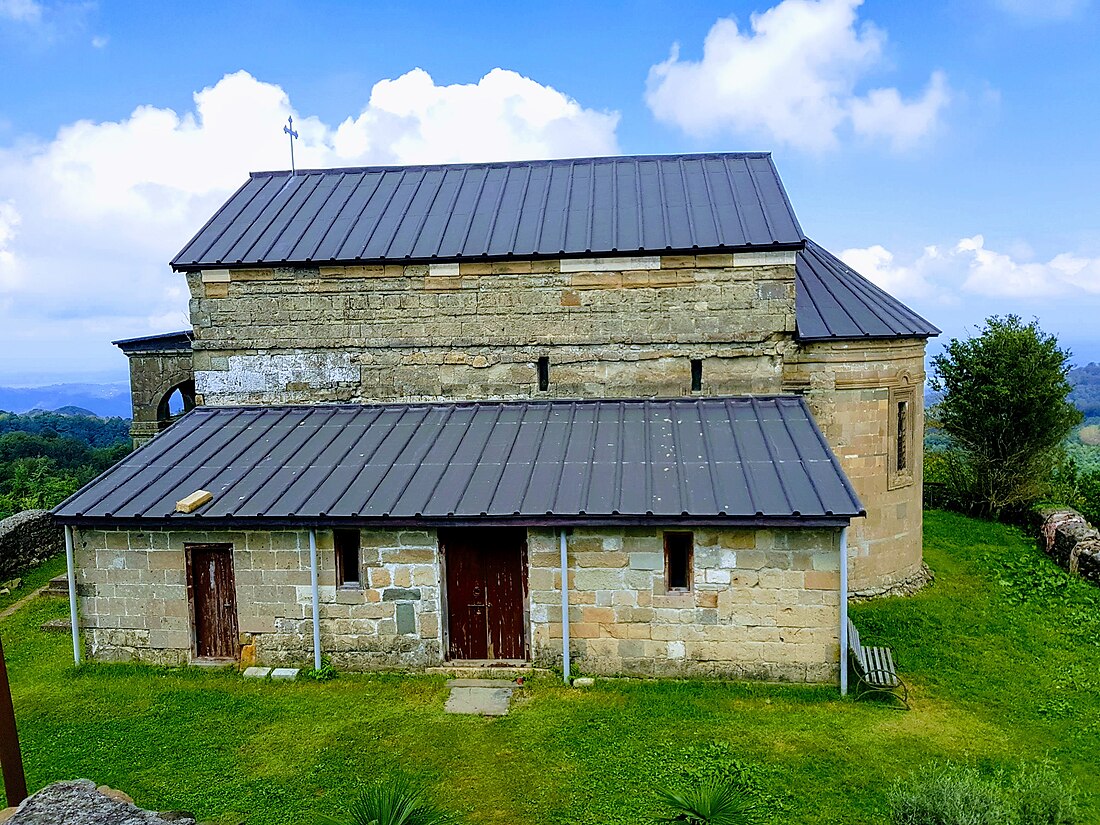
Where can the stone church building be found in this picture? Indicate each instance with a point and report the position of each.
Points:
(439, 409)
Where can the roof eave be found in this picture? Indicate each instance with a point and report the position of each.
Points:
(197, 266)
(193, 523)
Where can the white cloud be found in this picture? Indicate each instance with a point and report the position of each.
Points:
(792, 78)
(100, 41)
(946, 274)
(102, 207)
(22, 11)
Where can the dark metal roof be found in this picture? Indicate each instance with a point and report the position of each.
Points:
(652, 204)
(165, 341)
(725, 460)
(833, 301)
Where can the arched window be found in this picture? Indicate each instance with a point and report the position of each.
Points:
(178, 400)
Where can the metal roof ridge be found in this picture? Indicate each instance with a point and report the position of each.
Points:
(393, 167)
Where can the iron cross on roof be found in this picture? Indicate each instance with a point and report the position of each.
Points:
(289, 129)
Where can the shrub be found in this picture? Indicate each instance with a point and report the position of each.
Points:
(948, 795)
(951, 794)
(714, 802)
(1042, 797)
(393, 802)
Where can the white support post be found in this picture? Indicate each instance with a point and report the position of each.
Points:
(316, 600)
(74, 621)
(844, 612)
(565, 664)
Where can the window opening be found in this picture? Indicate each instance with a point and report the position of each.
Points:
(696, 374)
(903, 437)
(678, 560)
(544, 373)
(346, 543)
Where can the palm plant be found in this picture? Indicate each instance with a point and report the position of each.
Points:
(394, 802)
(715, 802)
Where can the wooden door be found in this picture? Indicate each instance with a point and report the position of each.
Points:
(486, 592)
(213, 600)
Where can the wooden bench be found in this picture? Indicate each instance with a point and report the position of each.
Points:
(875, 671)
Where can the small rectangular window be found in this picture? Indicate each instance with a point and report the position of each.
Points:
(679, 549)
(544, 373)
(903, 437)
(346, 543)
(696, 374)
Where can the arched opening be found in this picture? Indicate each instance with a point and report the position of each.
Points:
(179, 400)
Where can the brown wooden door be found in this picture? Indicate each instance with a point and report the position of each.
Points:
(486, 589)
(213, 600)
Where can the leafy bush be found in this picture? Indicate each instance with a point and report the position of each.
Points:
(950, 794)
(320, 674)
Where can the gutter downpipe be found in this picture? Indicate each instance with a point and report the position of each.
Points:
(565, 665)
(74, 621)
(844, 611)
(316, 600)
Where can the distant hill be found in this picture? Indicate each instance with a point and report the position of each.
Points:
(1086, 389)
(94, 431)
(104, 400)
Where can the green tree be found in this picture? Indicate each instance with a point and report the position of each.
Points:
(1005, 410)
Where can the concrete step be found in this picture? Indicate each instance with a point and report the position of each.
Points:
(479, 671)
(57, 626)
(58, 586)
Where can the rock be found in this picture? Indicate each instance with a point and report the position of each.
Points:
(177, 816)
(117, 796)
(14, 584)
(80, 803)
(4, 591)
(583, 682)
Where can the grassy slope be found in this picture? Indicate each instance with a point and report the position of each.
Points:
(998, 675)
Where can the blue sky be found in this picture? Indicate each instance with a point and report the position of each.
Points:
(948, 151)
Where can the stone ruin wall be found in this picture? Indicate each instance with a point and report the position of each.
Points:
(26, 540)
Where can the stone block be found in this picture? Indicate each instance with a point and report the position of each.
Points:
(394, 594)
(256, 672)
(285, 673)
(406, 619)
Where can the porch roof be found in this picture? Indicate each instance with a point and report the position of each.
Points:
(733, 461)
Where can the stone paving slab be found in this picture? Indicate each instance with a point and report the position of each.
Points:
(479, 701)
(256, 672)
(288, 673)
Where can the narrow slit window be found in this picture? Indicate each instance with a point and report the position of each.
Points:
(696, 374)
(903, 437)
(678, 560)
(544, 373)
(348, 572)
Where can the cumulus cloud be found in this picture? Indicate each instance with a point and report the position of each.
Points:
(943, 273)
(89, 220)
(792, 77)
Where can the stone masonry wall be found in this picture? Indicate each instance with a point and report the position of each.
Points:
(1067, 537)
(851, 387)
(462, 331)
(765, 604)
(134, 601)
(27, 539)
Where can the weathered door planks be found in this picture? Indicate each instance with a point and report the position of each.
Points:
(486, 593)
(213, 600)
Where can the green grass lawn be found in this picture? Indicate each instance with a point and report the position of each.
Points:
(1002, 653)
